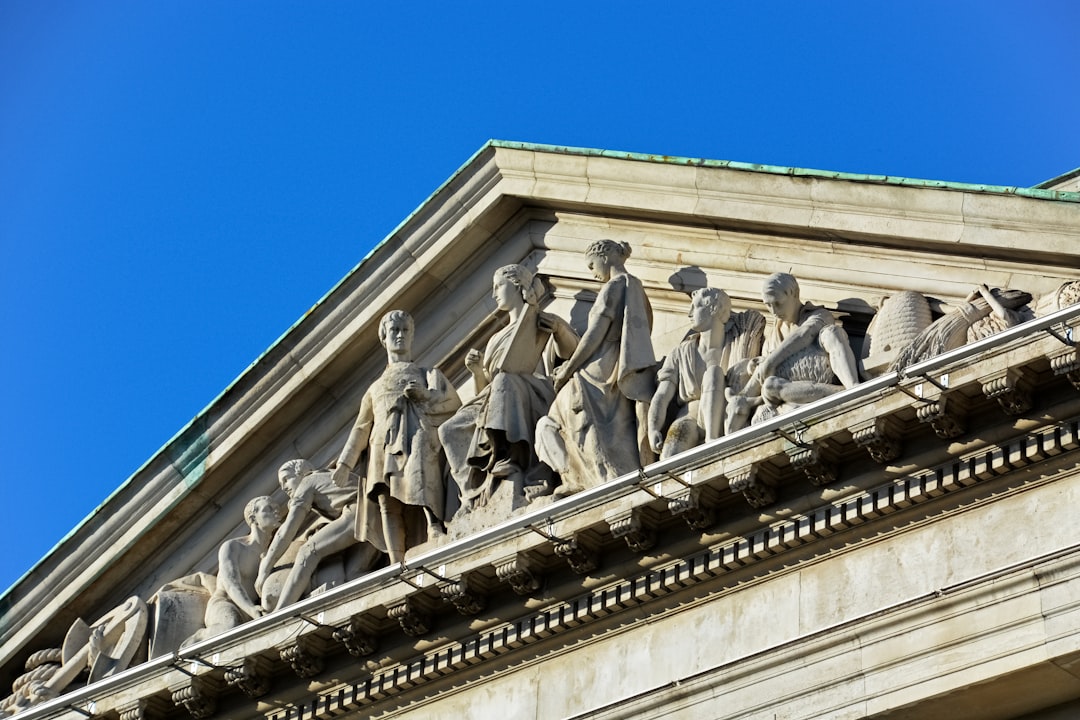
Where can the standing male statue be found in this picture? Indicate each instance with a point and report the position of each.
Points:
(402, 490)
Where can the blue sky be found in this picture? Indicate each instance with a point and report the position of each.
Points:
(181, 181)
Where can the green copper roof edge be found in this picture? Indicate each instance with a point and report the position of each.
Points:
(1036, 193)
(1047, 184)
(202, 414)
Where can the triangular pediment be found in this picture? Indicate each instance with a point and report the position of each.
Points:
(850, 240)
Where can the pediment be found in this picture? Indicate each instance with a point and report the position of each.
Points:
(849, 240)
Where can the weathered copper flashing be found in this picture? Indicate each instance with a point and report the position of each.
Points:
(1035, 193)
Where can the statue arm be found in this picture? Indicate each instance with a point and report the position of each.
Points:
(443, 399)
(563, 336)
(230, 578)
(658, 409)
(586, 348)
(358, 436)
(474, 362)
(299, 507)
(800, 337)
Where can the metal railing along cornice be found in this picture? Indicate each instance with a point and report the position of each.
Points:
(301, 612)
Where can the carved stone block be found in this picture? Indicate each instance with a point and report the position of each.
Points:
(356, 639)
(689, 504)
(580, 559)
(1010, 389)
(252, 677)
(517, 572)
(198, 696)
(414, 620)
(635, 528)
(810, 459)
(757, 486)
(147, 708)
(944, 416)
(879, 437)
(1067, 363)
(305, 655)
(463, 596)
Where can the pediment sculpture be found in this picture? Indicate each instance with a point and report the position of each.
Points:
(553, 414)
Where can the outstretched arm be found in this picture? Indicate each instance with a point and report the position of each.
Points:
(356, 443)
(299, 507)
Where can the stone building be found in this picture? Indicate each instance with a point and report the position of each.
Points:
(903, 548)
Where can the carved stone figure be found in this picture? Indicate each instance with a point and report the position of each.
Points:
(694, 372)
(103, 648)
(1065, 295)
(806, 356)
(403, 496)
(591, 433)
(309, 491)
(234, 600)
(490, 438)
(983, 313)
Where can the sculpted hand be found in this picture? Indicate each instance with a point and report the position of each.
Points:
(340, 475)
(416, 392)
(552, 324)
(765, 369)
(562, 376)
(97, 642)
(474, 361)
(547, 322)
(656, 441)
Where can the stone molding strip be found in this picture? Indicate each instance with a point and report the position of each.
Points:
(640, 589)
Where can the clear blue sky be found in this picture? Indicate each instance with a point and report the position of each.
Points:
(181, 180)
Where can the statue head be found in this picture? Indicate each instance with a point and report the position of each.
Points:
(292, 472)
(526, 284)
(708, 305)
(396, 331)
(606, 254)
(263, 512)
(781, 294)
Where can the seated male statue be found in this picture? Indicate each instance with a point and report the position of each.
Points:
(806, 356)
(693, 374)
(235, 600)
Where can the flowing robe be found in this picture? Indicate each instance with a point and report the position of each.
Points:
(595, 411)
(511, 403)
(403, 449)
